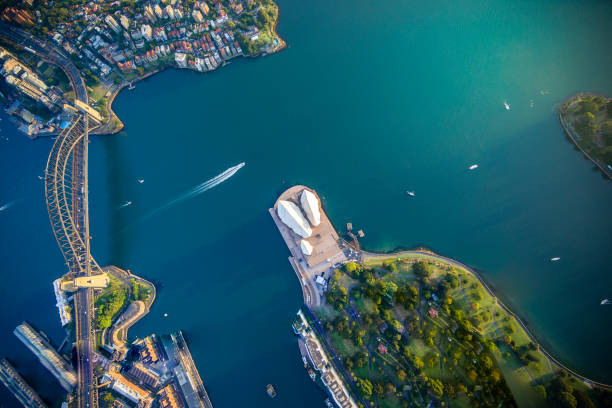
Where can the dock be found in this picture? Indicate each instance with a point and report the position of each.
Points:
(19, 387)
(58, 366)
(189, 380)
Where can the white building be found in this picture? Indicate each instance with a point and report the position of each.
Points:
(291, 215)
(150, 14)
(310, 205)
(146, 32)
(158, 11)
(306, 247)
(110, 21)
(125, 22)
(197, 16)
(169, 11)
(180, 59)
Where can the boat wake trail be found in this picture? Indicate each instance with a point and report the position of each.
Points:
(199, 189)
(9, 204)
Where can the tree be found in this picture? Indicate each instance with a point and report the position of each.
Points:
(567, 400)
(540, 390)
(378, 389)
(364, 386)
(436, 386)
(421, 270)
(401, 375)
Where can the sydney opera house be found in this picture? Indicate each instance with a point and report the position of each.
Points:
(292, 216)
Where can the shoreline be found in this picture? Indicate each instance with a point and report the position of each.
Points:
(494, 294)
(365, 256)
(103, 128)
(567, 128)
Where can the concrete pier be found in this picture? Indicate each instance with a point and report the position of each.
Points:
(17, 385)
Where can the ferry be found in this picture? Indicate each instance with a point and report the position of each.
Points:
(555, 259)
(410, 193)
(506, 105)
(271, 391)
(606, 302)
(473, 167)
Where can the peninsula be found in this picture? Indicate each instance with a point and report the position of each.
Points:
(113, 45)
(412, 328)
(587, 121)
(154, 370)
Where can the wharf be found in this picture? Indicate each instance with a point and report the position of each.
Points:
(182, 364)
(19, 387)
(47, 355)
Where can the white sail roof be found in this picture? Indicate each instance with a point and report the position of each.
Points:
(306, 247)
(310, 204)
(291, 215)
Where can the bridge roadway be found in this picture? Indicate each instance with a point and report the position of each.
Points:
(66, 190)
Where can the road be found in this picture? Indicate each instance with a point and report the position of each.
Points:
(83, 299)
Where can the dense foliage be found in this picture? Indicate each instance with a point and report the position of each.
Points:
(109, 303)
(591, 118)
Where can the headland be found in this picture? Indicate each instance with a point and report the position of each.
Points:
(414, 328)
(587, 121)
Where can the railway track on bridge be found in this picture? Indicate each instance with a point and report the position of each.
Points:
(66, 194)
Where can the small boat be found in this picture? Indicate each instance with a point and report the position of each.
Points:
(305, 362)
(328, 403)
(165, 314)
(270, 390)
(141, 181)
(40, 177)
(506, 105)
(606, 302)
(473, 167)
(312, 374)
(125, 204)
(131, 87)
(555, 259)
(410, 193)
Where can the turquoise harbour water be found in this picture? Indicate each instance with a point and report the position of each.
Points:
(370, 99)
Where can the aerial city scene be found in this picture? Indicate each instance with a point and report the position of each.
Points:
(281, 203)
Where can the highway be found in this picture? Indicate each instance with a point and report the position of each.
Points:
(66, 191)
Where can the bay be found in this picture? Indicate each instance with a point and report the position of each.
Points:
(370, 99)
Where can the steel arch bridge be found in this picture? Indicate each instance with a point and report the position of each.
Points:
(66, 194)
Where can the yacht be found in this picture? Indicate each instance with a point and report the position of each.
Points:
(606, 302)
(410, 193)
(506, 105)
(555, 259)
(473, 167)
(141, 181)
(271, 391)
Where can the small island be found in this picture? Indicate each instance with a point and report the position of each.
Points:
(587, 121)
(412, 328)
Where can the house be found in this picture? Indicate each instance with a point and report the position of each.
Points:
(433, 313)
(382, 349)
